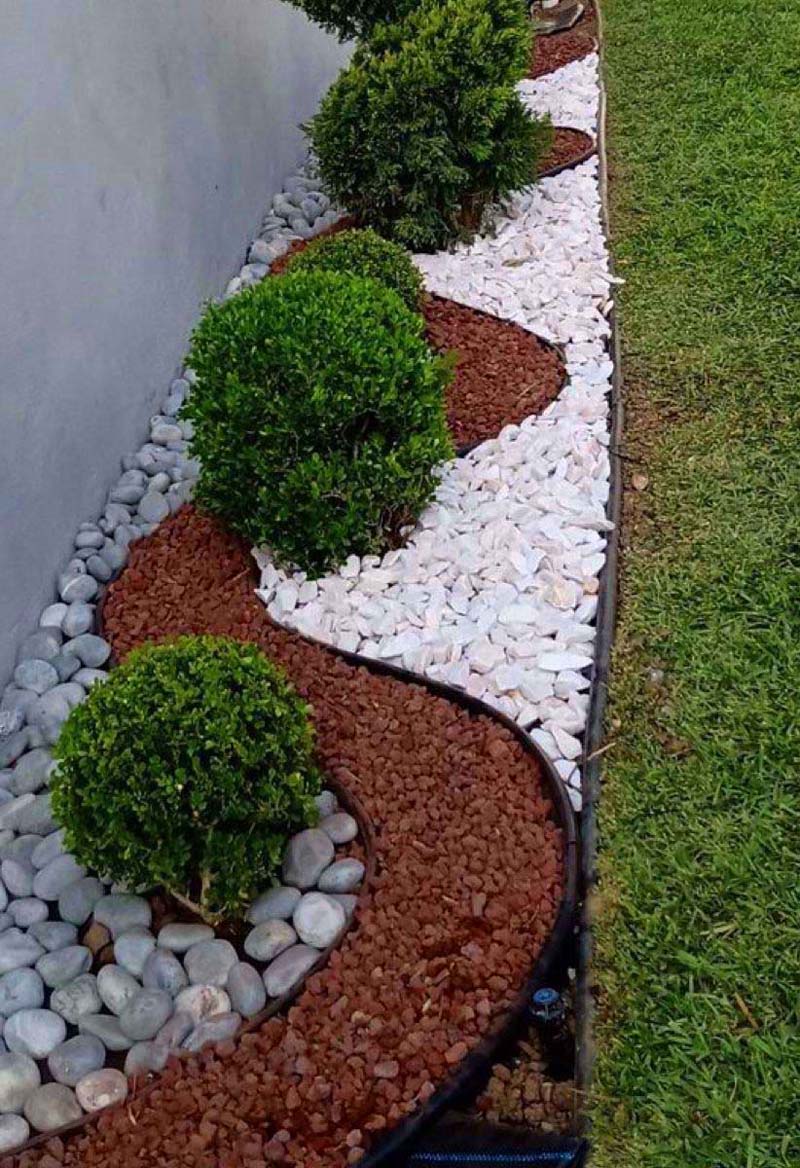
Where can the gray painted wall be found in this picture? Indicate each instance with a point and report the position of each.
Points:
(140, 143)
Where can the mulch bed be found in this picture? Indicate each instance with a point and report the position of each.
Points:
(569, 147)
(470, 868)
(561, 48)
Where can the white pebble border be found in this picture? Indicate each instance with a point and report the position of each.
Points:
(496, 589)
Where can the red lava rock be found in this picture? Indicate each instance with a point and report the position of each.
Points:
(569, 147)
(560, 48)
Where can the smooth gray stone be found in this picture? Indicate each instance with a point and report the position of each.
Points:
(30, 773)
(115, 514)
(125, 535)
(18, 949)
(180, 936)
(15, 698)
(64, 965)
(307, 855)
(107, 1029)
(346, 900)
(342, 876)
(153, 506)
(49, 714)
(3, 897)
(208, 962)
(128, 493)
(17, 743)
(202, 1001)
(267, 940)
(53, 615)
(218, 1028)
(89, 677)
(132, 948)
(116, 987)
(245, 989)
(76, 903)
(275, 904)
(83, 587)
(27, 910)
(52, 1106)
(78, 619)
(101, 1089)
(75, 567)
(6, 921)
(114, 555)
(77, 998)
(164, 433)
(34, 1032)
(326, 803)
(17, 877)
(19, 1075)
(173, 1032)
(90, 649)
(90, 537)
(5, 796)
(163, 971)
(73, 1059)
(35, 817)
(11, 722)
(41, 645)
(48, 849)
(289, 969)
(132, 477)
(21, 847)
(54, 935)
(98, 568)
(21, 989)
(160, 481)
(145, 1014)
(122, 911)
(65, 665)
(318, 919)
(52, 880)
(72, 693)
(35, 674)
(144, 1057)
(341, 827)
(14, 1131)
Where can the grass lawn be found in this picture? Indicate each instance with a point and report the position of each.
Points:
(698, 932)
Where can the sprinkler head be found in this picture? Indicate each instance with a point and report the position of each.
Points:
(547, 1005)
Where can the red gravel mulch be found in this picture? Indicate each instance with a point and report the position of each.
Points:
(561, 48)
(569, 147)
(503, 373)
(470, 876)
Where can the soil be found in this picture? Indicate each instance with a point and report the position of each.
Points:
(523, 1093)
(560, 48)
(569, 147)
(470, 867)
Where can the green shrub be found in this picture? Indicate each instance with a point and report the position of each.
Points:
(363, 253)
(318, 415)
(189, 767)
(425, 129)
(353, 18)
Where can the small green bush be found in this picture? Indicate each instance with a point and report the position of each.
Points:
(425, 129)
(353, 18)
(318, 415)
(363, 253)
(189, 767)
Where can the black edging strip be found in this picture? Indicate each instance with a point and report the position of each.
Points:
(606, 620)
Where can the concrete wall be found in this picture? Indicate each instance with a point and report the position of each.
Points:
(140, 142)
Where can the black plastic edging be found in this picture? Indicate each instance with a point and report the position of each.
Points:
(606, 621)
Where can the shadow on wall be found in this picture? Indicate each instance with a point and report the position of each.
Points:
(141, 145)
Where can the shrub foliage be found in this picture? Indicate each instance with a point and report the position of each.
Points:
(189, 767)
(363, 253)
(318, 415)
(424, 128)
(354, 18)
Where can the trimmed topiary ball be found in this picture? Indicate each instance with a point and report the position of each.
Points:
(353, 18)
(362, 253)
(189, 767)
(425, 129)
(318, 416)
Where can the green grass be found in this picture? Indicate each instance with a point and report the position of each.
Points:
(698, 931)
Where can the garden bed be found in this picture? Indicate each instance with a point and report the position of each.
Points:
(554, 51)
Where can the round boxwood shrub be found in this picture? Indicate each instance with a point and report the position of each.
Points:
(189, 767)
(318, 416)
(424, 129)
(362, 253)
(353, 18)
